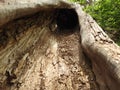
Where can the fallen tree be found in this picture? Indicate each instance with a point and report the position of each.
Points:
(38, 51)
(101, 50)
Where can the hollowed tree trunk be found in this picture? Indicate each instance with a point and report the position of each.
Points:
(54, 45)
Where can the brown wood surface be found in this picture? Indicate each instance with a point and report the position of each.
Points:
(33, 56)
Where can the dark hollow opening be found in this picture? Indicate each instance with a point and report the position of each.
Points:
(67, 21)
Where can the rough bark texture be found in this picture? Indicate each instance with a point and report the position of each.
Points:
(36, 55)
(103, 52)
(12, 9)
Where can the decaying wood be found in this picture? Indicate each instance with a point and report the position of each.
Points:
(103, 52)
(12, 9)
(34, 57)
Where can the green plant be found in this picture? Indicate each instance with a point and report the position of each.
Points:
(106, 13)
(82, 2)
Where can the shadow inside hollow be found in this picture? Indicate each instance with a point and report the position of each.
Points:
(66, 21)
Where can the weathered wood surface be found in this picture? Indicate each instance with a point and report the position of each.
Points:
(12, 9)
(103, 52)
(32, 57)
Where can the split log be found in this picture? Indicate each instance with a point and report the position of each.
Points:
(37, 54)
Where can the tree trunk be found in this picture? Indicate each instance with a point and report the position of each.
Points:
(46, 45)
(102, 51)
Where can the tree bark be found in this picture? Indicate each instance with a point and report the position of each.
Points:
(102, 51)
(36, 55)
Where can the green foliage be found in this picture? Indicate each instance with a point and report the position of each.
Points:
(106, 13)
(118, 43)
(82, 2)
